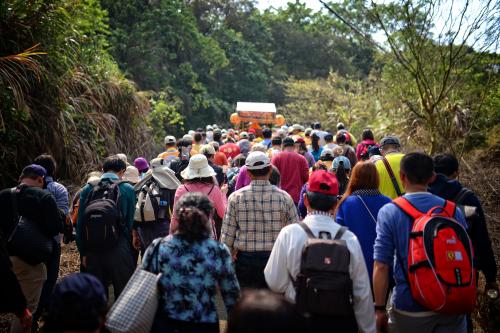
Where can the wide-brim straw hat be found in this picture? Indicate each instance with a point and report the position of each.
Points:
(198, 168)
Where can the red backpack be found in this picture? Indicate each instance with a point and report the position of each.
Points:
(440, 269)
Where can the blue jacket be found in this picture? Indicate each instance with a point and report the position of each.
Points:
(126, 205)
(354, 215)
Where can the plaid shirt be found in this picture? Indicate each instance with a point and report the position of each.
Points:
(255, 215)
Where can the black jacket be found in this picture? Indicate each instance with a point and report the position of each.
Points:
(449, 189)
(218, 170)
(35, 204)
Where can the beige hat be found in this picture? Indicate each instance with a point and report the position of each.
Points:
(131, 175)
(257, 160)
(207, 150)
(198, 168)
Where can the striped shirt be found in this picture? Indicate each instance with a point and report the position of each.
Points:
(255, 215)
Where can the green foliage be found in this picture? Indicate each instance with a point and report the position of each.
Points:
(74, 102)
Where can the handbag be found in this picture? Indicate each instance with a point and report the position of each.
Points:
(135, 309)
(27, 240)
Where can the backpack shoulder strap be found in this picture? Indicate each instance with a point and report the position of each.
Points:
(393, 177)
(464, 192)
(449, 208)
(340, 233)
(307, 230)
(213, 185)
(407, 207)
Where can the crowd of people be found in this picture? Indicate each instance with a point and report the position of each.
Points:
(295, 229)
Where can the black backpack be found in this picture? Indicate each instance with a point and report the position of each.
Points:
(102, 226)
(154, 203)
(324, 285)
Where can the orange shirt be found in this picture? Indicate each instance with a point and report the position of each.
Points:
(220, 159)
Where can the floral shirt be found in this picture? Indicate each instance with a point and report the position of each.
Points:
(191, 273)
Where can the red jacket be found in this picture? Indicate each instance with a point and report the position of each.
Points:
(231, 150)
(294, 172)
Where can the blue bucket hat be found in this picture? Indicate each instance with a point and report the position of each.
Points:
(344, 160)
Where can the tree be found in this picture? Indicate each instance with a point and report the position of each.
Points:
(435, 50)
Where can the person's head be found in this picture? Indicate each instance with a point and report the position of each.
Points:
(239, 161)
(193, 211)
(215, 144)
(320, 165)
(275, 177)
(340, 126)
(341, 138)
(123, 157)
(141, 164)
(33, 175)
(48, 162)
(367, 134)
(315, 141)
(327, 155)
(307, 132)
(217, 135)
(259, 147)
(446, 164)
(115, 165)
(208, 151)
(328, 137)
(265, 312)
(267, 133)
(321, 191)
(390, 144)
(258, 165)
(342, 167)
(296, 128)
(94, 177)
(198, 169)
(288, 143)
(417, 170)
(300, 145)
(184, 146)
(243, 135)
(276, 141)
(197, 137)
(364, 176)
(374, 151)
(170, 141)
(78, 304)
(131, 175)
(317, 126)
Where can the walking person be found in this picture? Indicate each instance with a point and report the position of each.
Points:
(61, 196)
(27, 208)
(368, 141)
(359, 206)
(254, 217)
(388, 167)
(193, 267)
(104, 233)
(342, 169)
(199, 177)
(391, 249)
(345, 304)
(293, 169)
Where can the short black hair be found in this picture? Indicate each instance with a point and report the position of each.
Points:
(113, 163)
(217, 136)
(260, 172)
(197, 137)
(341, 138)
(320, 201)
(445, 164)
(48, 162)
(418, 167)
(277, 140)
(267, 133)
(184, 143)
(367, 134)
(328, 137)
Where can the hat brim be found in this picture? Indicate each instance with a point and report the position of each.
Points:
(205, 172)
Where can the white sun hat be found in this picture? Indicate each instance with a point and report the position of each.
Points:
(198, 168)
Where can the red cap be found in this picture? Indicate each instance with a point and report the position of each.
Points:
(321, 181)
(300, 140)
(251, 130)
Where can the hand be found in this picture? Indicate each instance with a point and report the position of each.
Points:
(224, 189)
(382, 321)
(136, 242)
(84, 261)
(25, 320)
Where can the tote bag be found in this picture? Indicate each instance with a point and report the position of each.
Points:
(134, 311)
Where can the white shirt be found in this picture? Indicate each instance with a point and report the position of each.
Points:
(284, 264)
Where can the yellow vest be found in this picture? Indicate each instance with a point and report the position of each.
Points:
(386, 186)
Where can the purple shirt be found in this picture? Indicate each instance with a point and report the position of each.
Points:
(243, 179)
